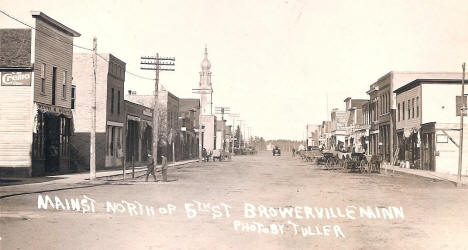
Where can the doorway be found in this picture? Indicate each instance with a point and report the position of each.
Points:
(52, 143)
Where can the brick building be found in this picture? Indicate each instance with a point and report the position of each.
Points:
(36, 98)
(110, 113)
(189, 110)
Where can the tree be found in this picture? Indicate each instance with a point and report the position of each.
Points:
(238, 136)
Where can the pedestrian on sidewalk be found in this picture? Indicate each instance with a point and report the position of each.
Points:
(151, 168)
(293, 152)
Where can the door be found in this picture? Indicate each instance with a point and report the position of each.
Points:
(54, 83)
(52, 143)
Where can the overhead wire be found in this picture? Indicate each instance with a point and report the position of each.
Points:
(74, 45)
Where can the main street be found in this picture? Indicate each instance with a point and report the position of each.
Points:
(434, 211)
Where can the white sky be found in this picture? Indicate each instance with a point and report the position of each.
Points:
(272, 61)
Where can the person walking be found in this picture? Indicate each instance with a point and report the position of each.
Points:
(151, 168)
(293, 152)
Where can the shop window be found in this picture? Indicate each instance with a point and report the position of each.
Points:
(112, 142)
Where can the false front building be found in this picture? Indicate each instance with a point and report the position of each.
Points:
(36, 98)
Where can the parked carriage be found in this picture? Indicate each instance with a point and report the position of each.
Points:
(371, 163)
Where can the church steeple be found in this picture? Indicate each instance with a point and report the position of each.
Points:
(205, 84)
(205, 64)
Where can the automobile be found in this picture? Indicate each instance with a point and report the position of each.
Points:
(276, 151)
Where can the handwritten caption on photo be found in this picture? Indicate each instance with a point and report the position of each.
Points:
(251, 214)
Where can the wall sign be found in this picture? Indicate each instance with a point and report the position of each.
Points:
(16, 78)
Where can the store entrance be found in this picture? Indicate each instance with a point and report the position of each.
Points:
(52, 143)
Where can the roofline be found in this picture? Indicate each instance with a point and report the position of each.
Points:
(58, 25)
(418, 82)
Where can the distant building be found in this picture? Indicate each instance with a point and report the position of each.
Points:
(110, 113)
(338, 131)
(189, 110)
(427, 125)
(354, 120)
(312, 131)
(36, 98)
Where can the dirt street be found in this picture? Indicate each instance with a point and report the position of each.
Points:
(210, 206)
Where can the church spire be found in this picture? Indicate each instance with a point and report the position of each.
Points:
(205, 64)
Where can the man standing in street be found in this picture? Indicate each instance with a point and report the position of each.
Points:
(164, 167)
(151, 168)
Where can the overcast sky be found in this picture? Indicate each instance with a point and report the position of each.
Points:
(273, 62)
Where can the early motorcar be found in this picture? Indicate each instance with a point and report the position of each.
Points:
(276, 151)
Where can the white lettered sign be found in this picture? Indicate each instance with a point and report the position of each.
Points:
(16, 78)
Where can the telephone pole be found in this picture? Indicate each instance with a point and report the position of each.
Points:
(92, 139)
(222, 111)
(233, 130)
(462, 114)
(155, 63)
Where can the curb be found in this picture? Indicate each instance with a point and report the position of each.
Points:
(142, 169)
(437, 178)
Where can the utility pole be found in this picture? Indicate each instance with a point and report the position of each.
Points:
(233, 130)
(240, 133)
(92, 139)
(223, 111)
(462, 114)
(157, 62)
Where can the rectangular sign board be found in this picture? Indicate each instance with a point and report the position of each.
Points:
(16, 78)
(459, 105)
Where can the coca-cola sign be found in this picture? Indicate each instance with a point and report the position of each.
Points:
(16, 78)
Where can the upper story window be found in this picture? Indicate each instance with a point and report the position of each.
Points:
(417, 106)
(409, 109)
(403, 111)
(398, 112)
(73, 96)
(64, 85)
(43, 73)
(412, 107)
(118, 102)
(112, 100)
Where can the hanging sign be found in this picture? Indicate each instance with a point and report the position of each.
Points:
(16, 78)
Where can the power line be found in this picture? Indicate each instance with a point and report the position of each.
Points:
(40, 31)
(74, 45)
